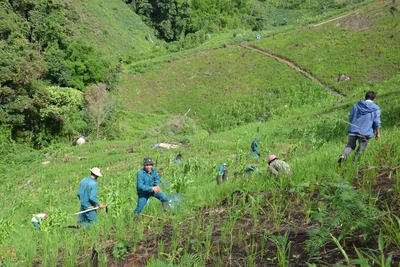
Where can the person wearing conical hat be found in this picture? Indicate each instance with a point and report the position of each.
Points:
(87, 194)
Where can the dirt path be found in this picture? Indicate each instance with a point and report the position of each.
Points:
(340, 17)
(343, 16)
(292, 65)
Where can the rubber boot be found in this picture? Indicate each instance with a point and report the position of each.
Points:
(225, 176)
(218, 179)
(165, 206)
(136, 217)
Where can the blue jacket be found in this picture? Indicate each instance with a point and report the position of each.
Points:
(87, 192)
(254, 145)
(365, 118)
(145, 181)
(221, 169)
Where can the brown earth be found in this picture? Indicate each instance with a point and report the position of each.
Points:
(294, 224)
(247, 232)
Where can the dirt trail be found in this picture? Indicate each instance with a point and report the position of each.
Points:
(345, 15)
(340, 17)
(292, 65)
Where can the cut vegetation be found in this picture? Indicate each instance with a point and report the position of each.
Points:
(213, 103)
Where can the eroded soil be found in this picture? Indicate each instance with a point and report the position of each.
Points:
(250, 242)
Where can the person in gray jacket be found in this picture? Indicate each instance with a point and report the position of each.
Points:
(365, 122)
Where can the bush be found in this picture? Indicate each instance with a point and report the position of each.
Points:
(340, 209)
(85, 65)
(59, 109)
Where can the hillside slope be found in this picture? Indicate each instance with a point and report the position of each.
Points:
(112, 28)
(364, 45)
(253, 219)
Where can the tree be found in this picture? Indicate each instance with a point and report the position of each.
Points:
(84, 64)
(100, 104)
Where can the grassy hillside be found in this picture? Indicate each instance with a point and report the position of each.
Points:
(253, 220)
(257, 81)
(112, 28)
(362, 45)
(258, 87)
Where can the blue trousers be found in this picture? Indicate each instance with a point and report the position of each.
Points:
(255, 153)
(142, 200)
(87, 218)
(36, 225)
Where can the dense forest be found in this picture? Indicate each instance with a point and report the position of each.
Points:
(48, 76)
(178, 19)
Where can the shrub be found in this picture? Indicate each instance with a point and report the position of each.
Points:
(340, 209)
(85, 65)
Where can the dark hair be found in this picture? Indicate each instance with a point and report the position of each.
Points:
(370, 95)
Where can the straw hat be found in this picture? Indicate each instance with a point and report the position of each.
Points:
(96, 171)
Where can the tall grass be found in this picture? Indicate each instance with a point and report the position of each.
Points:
(309, 133)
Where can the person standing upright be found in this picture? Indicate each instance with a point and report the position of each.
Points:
(87, 194)
(365, 122)
(148, 185)
(254, 148)
(222, 172)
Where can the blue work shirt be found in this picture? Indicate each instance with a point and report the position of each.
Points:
(221, 169)
(365, 118)
(254, 145)
(87, 192)
(145, 181)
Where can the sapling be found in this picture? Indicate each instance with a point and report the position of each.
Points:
(208, 241)
(186, 245)
(391, 226)
(263, 239)
(175, 246)
(174, 255)
(161, 250)
(283, 248)
(239, 235)
(251, 252)
(378, 256)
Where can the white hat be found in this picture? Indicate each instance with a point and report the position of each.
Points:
(224, 164)
(96, 171)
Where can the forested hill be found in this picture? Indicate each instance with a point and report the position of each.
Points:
(68, 44)
(55, 54)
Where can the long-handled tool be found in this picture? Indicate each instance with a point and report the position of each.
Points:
(84, 211)
(94, 208)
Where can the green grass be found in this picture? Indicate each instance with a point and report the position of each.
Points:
(307, 128)
(215, 78)
(363, 45)
(112, 28)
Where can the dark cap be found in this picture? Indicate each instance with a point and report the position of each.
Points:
(148, 161)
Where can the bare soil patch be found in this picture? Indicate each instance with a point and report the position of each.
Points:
(357, 23)
(246, 232)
